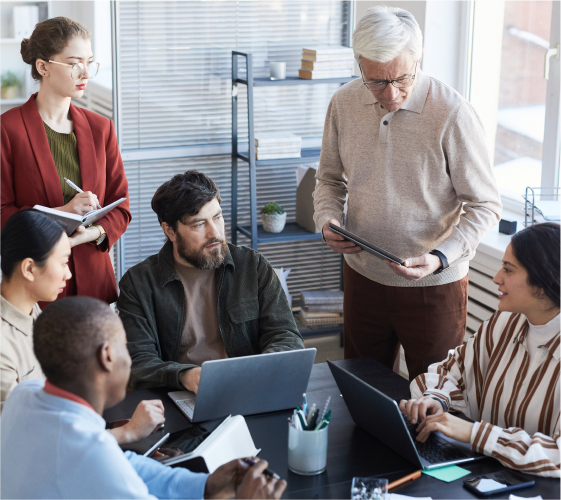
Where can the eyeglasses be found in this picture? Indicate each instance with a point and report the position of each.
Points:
(79, 70)
(399, 83)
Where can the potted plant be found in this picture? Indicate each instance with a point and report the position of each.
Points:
(10, 85)
(273, 217)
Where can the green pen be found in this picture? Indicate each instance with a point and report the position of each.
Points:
(324, 422)
(302, 419)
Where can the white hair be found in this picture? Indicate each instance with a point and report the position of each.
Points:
(384, 32)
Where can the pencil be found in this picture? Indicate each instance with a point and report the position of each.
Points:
(410, 477)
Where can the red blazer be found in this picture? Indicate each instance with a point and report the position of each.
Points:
(29, 177)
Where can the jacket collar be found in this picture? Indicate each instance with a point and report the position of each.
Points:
(19, 320)
(40, 145)
(166, 264)
(416, 101)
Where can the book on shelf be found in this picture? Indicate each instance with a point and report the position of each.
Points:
(277, 156)
(320, 321)
(324, 58)
(320, 75)
(322, 297)
(332, 50)
(70, 222)
(309, 315)
(328, 65)
(281, 148)
(277, 139)
(319, 308)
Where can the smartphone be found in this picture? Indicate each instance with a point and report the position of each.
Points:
(498, 482)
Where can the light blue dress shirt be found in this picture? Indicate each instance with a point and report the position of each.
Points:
(55, 448)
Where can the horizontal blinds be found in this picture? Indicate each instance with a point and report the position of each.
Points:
(174, 67)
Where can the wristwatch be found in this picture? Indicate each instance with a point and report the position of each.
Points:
(443, 259)
(102, 235)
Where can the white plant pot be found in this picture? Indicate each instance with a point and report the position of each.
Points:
(273, 223)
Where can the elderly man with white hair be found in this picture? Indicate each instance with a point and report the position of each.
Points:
(408, 156)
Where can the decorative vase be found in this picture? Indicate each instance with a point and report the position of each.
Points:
(273, 223)
(9, 92)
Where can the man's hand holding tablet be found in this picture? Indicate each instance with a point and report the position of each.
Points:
(412, 269)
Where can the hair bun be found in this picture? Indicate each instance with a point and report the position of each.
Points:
(24, 51)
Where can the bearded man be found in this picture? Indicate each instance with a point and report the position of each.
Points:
(200, 298)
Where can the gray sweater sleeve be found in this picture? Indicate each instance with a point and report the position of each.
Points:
(474, 182)
(331, 189)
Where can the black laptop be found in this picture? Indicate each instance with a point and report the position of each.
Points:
(381, 417)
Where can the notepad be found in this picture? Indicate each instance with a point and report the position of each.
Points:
(70, 222)
(447, 474)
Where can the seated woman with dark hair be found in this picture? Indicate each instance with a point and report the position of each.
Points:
(506, 376)
(34, 260)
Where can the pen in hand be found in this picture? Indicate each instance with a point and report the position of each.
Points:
(76, 188)
(267, 472)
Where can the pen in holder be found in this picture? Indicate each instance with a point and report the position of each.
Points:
(307, 450)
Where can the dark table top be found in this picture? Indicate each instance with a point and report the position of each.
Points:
(351, 452)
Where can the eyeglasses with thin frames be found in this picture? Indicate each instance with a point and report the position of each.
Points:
(398, 83)
(79, 69)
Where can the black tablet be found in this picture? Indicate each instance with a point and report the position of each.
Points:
(365, 245)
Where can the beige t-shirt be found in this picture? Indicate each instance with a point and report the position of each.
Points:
(17, 359)
(201, 340)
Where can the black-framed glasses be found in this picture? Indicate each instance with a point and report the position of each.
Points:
(398, 83)
(79, 70)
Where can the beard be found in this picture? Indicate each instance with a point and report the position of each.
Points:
(197, 257)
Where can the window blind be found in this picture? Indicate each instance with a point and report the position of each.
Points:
(174, 65)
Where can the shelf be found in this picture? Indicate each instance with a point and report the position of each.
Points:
(293, 80)
(308, 155)
(17, 100)
(291, 232)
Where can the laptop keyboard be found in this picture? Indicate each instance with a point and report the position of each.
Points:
(434, 449)
(187, 406)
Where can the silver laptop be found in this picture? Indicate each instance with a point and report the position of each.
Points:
(381, 417)
(248, 385)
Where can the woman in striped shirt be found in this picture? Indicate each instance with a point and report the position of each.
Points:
(506, 376)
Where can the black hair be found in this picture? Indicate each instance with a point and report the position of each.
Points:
(28, 234)
(183, 196)
(67, 335)
(537, 249)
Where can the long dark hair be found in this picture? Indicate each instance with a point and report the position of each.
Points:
(537, 249)
(27, 234)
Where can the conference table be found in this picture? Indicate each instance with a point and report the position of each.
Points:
(352, 452)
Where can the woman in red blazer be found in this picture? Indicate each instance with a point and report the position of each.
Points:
(59, 51)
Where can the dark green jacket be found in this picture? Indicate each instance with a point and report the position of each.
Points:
(253, 313)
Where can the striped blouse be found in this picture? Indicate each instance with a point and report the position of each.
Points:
(515, 403)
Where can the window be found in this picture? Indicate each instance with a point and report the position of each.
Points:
(508, 88)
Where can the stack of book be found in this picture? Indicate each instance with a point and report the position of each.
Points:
(321, 308)
(277, 146)
(329, 61)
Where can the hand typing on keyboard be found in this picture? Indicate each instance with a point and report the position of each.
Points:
(431, 415)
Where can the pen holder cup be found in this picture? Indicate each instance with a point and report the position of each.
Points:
(307, 451)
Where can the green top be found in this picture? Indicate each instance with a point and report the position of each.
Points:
(64, 149)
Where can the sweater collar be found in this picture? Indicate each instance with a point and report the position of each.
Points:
(19, 320)
(416, 101)
(166, 263)
(54, 390)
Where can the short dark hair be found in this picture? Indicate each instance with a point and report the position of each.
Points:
(67, 335)
(27, 234)
(183, 196)
(537, 249)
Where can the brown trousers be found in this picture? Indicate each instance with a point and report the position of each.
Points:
(426, 321)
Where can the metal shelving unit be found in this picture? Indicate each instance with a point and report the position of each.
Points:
(255, 232)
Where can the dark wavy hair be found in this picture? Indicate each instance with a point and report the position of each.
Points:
(183, 196)
(537, 249)
(28, 234)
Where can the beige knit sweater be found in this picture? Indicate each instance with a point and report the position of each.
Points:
(417, 179)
